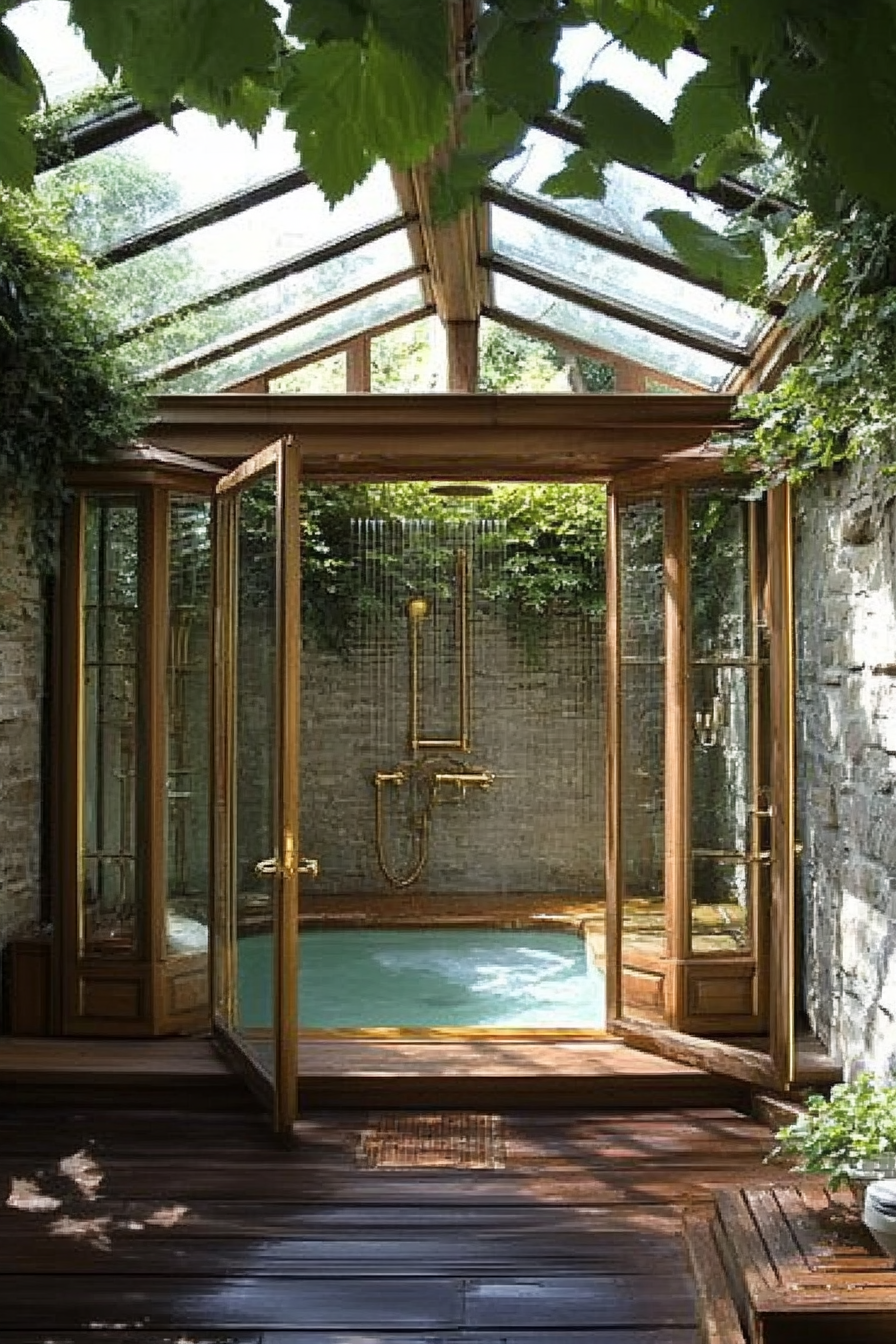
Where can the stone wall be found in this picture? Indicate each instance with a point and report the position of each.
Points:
(846, 759)
(21, 686)
(537, 722)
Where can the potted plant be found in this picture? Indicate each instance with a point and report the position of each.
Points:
(849, 1137)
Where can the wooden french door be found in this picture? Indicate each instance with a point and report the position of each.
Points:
(700, 917)
(256, 780)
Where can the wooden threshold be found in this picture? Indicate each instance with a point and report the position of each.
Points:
(349, 1073)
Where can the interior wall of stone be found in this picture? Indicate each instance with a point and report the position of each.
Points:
(845, 576)
(21, 691)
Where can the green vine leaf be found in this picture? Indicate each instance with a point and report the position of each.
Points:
(710, 109)
(619, 128)
(379, 105)
(517, 66)
(736, 262)
(581, 177)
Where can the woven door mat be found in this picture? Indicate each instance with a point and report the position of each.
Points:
(460, 1139)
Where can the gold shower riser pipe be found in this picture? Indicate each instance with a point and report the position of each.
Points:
(464, 645)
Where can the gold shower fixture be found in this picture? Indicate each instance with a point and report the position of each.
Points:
(417, 610)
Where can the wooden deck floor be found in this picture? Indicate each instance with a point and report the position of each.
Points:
(177, 1225)
(486, 1074)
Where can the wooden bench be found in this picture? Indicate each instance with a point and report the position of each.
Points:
(790, 1264)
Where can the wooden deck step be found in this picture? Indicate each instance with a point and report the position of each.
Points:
(801, 1267)
(347, 1073)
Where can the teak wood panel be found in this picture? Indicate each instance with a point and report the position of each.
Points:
(205, 1223)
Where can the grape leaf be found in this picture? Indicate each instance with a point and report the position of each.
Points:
(579, 178)
(327, 20)
(517, 67)
(203, 49)
(711, 106)
(736, 262)
(17, 152)
(620, 128)
(651, 29)
(730, 156)
(417, 27)
(353, 105)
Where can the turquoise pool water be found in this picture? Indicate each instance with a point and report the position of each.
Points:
(430, 978)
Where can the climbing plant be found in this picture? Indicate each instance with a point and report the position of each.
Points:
(361, 81)
(64, 395)
(552, 540)
(840, 399)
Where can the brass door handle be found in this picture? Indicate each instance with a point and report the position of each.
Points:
(271, 867)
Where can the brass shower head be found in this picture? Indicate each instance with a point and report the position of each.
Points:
(418, 609)
(461, 490)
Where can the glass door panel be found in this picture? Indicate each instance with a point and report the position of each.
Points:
(700, 777)
(728, 669)
(256, 803)
(642, 759)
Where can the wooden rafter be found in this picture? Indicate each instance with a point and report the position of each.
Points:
(341, 346)
(597, 235)
(225, 207)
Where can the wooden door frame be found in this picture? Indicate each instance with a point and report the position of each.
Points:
(778, 1065)
(279, 1087)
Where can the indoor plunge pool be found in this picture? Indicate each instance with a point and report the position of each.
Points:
(502, 978)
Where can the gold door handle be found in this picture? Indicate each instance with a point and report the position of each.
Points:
(271, 868)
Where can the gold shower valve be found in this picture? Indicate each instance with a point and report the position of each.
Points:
(465, 779)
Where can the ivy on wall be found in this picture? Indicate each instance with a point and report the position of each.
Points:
(553, 547)
(64, 395)
(840, 399)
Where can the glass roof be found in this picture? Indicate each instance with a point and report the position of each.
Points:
(208, 259)
(401, 300)
(59, 55)
(210, 286)
(160, 173)
(620, 279)
(630, 195)
(517, 299)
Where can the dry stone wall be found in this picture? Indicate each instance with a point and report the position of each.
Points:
(21, 688)
(846, 761)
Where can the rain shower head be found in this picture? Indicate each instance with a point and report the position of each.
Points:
(461, 490)
(418, 609)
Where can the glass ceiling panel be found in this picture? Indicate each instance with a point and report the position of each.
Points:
(606, 333)
(622, 280)
(159, 173)
(630, 195)
(295, 294)
(220, 254)
(343, 325)
(58, 53)
(590, 53)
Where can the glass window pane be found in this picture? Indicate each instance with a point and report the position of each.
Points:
(342, 325)
(642, 754)
(621, 280)
(295, 294)
(188, 710)
(151, 177)
(110, 921)
(630, 195)
(606, 333)
(214, 257)
(327, 375)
